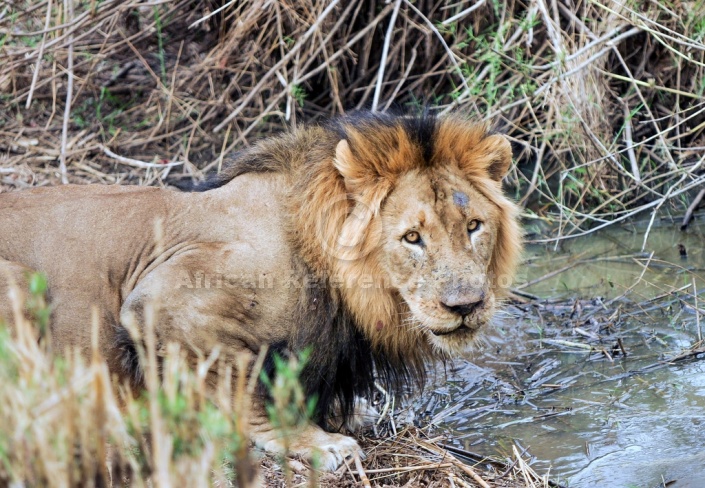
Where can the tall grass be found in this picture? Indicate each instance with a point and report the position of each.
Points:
(66, 422)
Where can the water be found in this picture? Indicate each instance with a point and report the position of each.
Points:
(604, 263)
(594, 418)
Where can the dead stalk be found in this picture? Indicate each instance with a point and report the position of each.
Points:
(385, 52)
(68, 8)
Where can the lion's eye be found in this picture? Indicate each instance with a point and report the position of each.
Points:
(412, 237)
(473, 225)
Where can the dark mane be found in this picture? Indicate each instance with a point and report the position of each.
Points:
(420, 129)
(343, 364)
(250, 160)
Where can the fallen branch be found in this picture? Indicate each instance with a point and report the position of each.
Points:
(68, 6)
(137, 163)
(459, 464)
(692, 208)
(361, 472)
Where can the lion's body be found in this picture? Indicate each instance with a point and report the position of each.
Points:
(301, 242)
(99, 245)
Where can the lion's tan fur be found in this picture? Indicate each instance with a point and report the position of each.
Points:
(321, 200)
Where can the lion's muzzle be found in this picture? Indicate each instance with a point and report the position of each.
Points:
(463, 309)
(463, 302)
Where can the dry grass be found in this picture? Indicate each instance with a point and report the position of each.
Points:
(67, 423)
(604, 99)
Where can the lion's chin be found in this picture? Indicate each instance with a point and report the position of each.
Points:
(459, 331)
(452, 342)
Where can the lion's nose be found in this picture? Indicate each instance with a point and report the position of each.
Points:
(462, 309)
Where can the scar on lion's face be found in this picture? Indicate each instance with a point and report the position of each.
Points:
(460, 199)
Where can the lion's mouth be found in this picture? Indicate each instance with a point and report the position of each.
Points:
(461, 329)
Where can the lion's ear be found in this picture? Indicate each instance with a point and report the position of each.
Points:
(344, 162)
(362, 181)
(365, 188)
(497, 153)
(492, 155)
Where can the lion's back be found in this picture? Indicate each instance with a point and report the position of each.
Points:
(35, 222)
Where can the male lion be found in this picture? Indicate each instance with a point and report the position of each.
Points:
(377, 241)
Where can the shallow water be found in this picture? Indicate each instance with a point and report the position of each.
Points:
(593, 418)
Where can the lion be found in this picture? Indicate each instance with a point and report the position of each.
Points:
(377, 242)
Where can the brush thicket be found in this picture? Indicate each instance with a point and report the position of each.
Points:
(604, 99)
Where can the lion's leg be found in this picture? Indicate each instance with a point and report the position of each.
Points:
(13, 287)
(364, 415)
(185, 311)
(308, 442)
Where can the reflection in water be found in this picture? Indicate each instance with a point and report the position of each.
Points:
(595, 418)
(608, 263)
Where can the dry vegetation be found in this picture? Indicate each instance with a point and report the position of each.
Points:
(604, 99)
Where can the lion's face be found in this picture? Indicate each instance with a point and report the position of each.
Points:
(418, 213)
(439, 236)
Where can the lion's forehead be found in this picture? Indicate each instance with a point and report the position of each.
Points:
(441, 200)
(460, 198)
(441, 208)
(457, 201)
(451, 189)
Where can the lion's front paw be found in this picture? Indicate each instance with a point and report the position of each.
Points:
(330, 450)
(325, 450)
